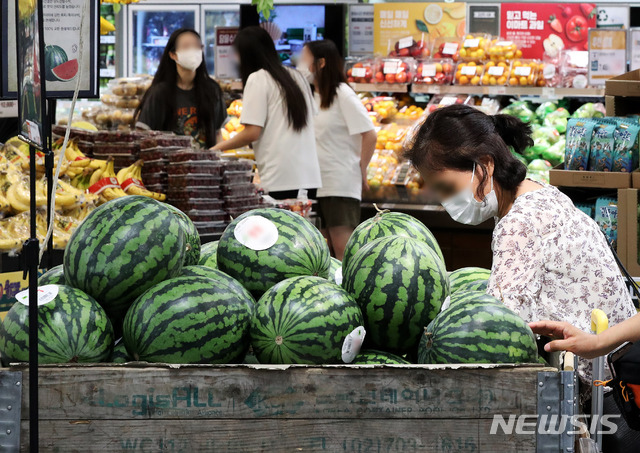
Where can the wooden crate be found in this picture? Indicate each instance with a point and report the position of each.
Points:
(265, 408)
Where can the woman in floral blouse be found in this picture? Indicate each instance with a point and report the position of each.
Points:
(550, 260)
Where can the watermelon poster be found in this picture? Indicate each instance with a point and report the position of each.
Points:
(550, 27)
(63, 60)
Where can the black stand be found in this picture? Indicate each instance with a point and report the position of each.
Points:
(31, 251)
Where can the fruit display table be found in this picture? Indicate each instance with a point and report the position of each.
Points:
(279, 408)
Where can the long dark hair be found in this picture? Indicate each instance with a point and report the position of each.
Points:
(458, 136)
(256, 51)
(328, 78)
(207, 92)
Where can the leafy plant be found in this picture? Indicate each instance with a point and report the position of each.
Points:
(264, 7)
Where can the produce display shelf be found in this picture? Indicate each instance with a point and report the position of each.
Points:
(547, 92)
(285, 408)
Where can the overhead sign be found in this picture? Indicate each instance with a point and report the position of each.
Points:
(61, 25)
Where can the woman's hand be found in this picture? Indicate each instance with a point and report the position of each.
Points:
(569, 338)
(365, 185)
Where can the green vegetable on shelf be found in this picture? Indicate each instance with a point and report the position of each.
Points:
(589, 110)
(549, 133)
(557, 119)
(544, 109)
(555, 153)
(521, 110)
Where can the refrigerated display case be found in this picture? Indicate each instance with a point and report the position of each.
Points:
(149, 29)
(214, 16)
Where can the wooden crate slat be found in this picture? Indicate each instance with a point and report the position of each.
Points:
(139, 393)
(274, 436)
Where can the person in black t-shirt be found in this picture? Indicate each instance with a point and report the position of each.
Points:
(183, 98)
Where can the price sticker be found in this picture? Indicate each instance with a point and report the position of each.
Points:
(256, 232)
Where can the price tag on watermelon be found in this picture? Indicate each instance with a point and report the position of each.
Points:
(256, 232)
(46, 294)
(445, 304)
(352, 344)
(523, 71)
(429, 70)
(338, 276)
(450, 48)
(496, 71)
(358, 72)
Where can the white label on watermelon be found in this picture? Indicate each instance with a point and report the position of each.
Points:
(352, 344)
(46, 294)
(256, 232)
(429, 70)
(338, 276)
(358, 72)
(405, 42)
(390, 67)
(471, 42)
(495, 70)
(468, 70)
(445, 304)
(523, 71)
(450, 48)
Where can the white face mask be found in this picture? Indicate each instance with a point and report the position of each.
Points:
(464, 208)
(306, 73)
(189, 59)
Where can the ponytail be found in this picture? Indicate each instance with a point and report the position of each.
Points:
(513, 132)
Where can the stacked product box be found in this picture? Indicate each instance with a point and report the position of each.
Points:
(239, 193)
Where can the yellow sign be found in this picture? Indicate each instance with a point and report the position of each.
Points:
(396, 21)
(11, 283)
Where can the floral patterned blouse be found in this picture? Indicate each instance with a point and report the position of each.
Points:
(551, 261)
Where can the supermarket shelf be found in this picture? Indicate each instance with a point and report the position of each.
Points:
(487, 90)
(509, 91)
(386, 87)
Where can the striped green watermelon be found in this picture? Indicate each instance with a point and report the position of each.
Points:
(209, 255)
(73, 328)
(250, 359)
(215, 274)
(54, 276)
(400, 284)
(478, 285)
(122, 249)
(190, 320)
(465, 297)
(373, 357)
(478, 332)
(120, 354)
(335, 271)
(386, 224)
(467, 275)
(192, 238)
(299, 249)
(303, 320)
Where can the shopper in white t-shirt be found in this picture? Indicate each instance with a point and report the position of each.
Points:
(277, 113)
(345, 139)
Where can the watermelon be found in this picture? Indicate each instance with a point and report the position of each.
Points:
(465, 297)
(67, 71)
(209, 255)
(478, 332)
(386, 224)
(122, 249)
(400, 283)
(294, 247)
(73, 328)
(373, 357)
(54, 276)
(478, 285)
(303, 320)
(466, 275)
(190, 320)
(335, 271)
(120, 354)
(192, 238)
(54, 56)
(215, 274)
(250, 359)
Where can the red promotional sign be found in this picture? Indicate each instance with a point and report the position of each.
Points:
(540, 27)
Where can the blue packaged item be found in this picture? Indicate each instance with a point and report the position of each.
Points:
(578, 144)
(607, 218)
(602, 146)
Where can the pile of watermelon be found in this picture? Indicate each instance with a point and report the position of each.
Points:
(137, 285)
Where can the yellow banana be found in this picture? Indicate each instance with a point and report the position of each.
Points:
(96, 176)
(68, 188)
(15, 202)
(97, 163)
(80, 163)
(126, 173)
(135, 190)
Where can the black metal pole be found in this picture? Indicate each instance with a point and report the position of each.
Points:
(31, 251)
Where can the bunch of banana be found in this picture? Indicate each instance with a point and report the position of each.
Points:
(135, 171)
(63, 228)
(81, 181)
(69, 197)
(111, 193)
(13, 232)
(78, 161)
(79, 213)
